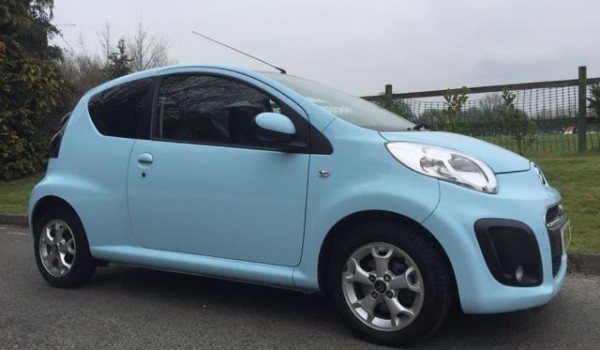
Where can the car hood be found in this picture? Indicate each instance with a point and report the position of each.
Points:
(497, 158)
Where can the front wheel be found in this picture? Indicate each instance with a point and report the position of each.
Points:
(61, 249)
(390, 282)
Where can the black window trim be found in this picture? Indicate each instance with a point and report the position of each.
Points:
(142, 130)
(317, 143)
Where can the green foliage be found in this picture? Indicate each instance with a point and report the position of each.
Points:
(118, 63)
(595, 100)
(489, 106)
(448, 119)
(398, 107)
(81, 72)
(30, 86)
(84, 70)
(516, 123)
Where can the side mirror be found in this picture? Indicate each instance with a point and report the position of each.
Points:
(276, 127)
(279, 129)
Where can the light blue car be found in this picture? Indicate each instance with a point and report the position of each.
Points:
(274, 179)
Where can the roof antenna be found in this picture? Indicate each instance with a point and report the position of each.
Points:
(281, 70)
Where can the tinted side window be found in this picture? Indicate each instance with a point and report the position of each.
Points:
(209, 109)
(118, 111)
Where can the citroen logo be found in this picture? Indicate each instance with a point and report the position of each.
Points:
(380, 286)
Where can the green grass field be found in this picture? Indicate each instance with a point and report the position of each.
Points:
(548, 143)
(576, 176)
(15, 194)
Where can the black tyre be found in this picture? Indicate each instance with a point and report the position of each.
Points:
(61, 248)
(390, 282)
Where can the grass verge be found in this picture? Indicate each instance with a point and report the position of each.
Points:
(547, 144)
(14, 195)
(576, 176)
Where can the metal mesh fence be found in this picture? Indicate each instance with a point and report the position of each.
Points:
(553, 112)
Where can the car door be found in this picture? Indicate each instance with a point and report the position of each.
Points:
(208, 184)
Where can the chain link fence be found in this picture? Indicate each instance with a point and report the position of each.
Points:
(553, 108)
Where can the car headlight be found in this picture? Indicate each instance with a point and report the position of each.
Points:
(445, 164)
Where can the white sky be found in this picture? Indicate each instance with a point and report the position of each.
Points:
(360, 45)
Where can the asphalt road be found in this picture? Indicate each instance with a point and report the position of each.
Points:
(132, 308)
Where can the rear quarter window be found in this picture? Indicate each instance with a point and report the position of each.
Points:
(120, 111)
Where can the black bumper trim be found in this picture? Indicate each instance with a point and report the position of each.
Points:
(508, 246)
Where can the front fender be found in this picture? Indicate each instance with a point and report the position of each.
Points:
(378, 182)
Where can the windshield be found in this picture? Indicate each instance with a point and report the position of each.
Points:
(347, 107)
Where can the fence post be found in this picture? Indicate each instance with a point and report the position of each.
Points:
(581, 124)
(387, 102)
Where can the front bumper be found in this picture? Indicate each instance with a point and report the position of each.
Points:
(522, 199)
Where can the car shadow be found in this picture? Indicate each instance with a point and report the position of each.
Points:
(311, 312)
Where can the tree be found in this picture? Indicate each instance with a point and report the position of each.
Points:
(143, 51)
(429, 116)
(105, 42)
(516, 123)
(490, 106)
(595, 99)
(449, 119)
(398, 107)
(31, 86)
(147, 50)
(82, 71)
(118, 63)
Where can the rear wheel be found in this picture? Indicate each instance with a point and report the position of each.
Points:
(390, 283)
(61, 249)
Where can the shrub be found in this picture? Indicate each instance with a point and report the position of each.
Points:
(516, 123)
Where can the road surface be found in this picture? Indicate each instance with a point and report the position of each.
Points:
(132, 308)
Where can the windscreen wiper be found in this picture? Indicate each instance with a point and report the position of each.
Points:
(420, 127)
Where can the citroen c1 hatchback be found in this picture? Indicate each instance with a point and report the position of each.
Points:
(274, 179)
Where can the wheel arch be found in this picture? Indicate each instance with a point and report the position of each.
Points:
(364, 217)
(43, 204)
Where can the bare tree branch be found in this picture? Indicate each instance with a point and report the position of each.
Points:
(148, 51)
(105, 41)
